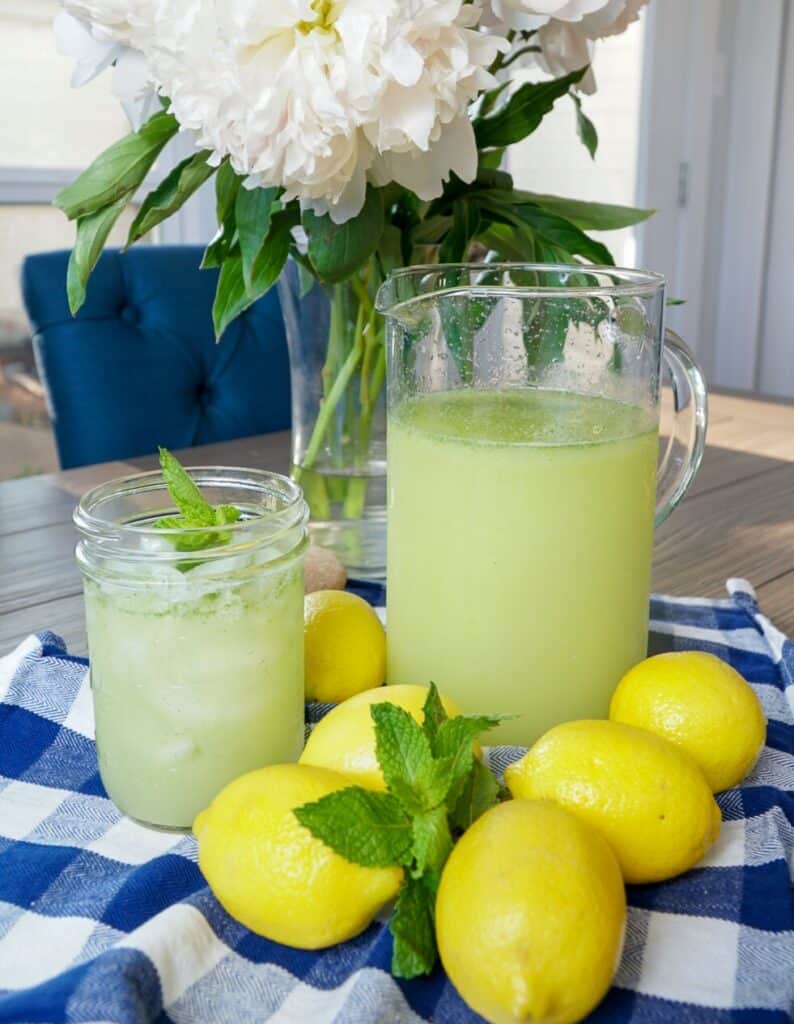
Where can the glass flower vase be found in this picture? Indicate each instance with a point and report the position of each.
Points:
(338, 368)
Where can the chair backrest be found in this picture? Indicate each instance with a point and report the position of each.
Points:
(139, 365)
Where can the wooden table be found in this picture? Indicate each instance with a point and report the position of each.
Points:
(738, 520)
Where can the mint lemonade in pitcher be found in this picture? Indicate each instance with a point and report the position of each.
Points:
(523, 444)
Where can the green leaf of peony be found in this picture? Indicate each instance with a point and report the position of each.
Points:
(233, 296)
(252, 211)
(585, 128)
(185, 494)
(363, 826)
(227, 185)
(411, 925)
(524, 111)
(432, 844)
(172, 192)
(587, 216)
(465, 225)
(337, 250)
(92, 233)
(118, 171)
(561, 233)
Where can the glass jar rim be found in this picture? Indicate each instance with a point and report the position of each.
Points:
(94, 527)
(409, 285)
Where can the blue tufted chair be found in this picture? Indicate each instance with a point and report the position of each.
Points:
(139, 365)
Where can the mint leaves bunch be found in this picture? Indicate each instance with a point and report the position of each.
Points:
(436, 789)
(195, 511)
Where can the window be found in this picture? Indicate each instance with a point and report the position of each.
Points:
(553, 160)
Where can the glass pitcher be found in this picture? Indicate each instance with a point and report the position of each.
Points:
(522, 481)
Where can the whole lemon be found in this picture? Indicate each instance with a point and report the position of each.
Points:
(530, 915)
(647, 798)
(270, 873)
(699, 702)
(344, 646)
(344, 740)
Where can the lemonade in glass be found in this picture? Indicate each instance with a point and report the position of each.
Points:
(195, 638)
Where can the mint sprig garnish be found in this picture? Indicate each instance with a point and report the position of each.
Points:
(436, 788)
(194, 510)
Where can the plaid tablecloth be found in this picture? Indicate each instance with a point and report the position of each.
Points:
(103, 920)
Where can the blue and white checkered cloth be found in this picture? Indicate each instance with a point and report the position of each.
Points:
(104, 920)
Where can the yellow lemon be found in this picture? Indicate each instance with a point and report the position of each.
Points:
(530, 915)
(271, 874)
(700, 703)
(345, 739)
(344, 644)
(648, 798)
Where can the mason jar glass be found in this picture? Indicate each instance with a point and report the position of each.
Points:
(195, 638)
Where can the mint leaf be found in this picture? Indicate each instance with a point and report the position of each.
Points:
(225, 514)
(411, 926)
(186, 496)
(365, 827)
(455, 739)
(432, 844)
(480, 791)
(404, 755)
(434, 715)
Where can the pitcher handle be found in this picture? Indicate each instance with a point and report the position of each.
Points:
(687, 441)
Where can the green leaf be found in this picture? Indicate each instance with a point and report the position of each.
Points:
(404, 754)
(510, 243)
(253, 210)
(587, 216)
(432, 230)
(455, 740)
(92, 233)
(584, 127)
(233, 296)
(561, 233)
(172, 192)
(390, 249)
(225, 514)
(480, 791)
(465, 225)
(434, 715)
(522, 114)
(338, 250)
(186, 496)
(118, 171)
(432, 844)
(227, 185)
(411, 926)
(492, 158)
(363, 826)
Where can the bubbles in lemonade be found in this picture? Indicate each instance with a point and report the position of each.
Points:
(520, 528)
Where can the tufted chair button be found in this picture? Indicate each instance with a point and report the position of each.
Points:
(129, 315)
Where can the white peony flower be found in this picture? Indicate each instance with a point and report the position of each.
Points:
(567, 46)
(94, 52)
(529, 15)
(317, 96)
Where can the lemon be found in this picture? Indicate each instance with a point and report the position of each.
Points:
(345, 739)
(701, 704)
(271, 874)
(530, 915)
(344, 644)
(648, 798)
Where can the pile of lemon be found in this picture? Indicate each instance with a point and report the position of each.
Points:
(531, 910)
